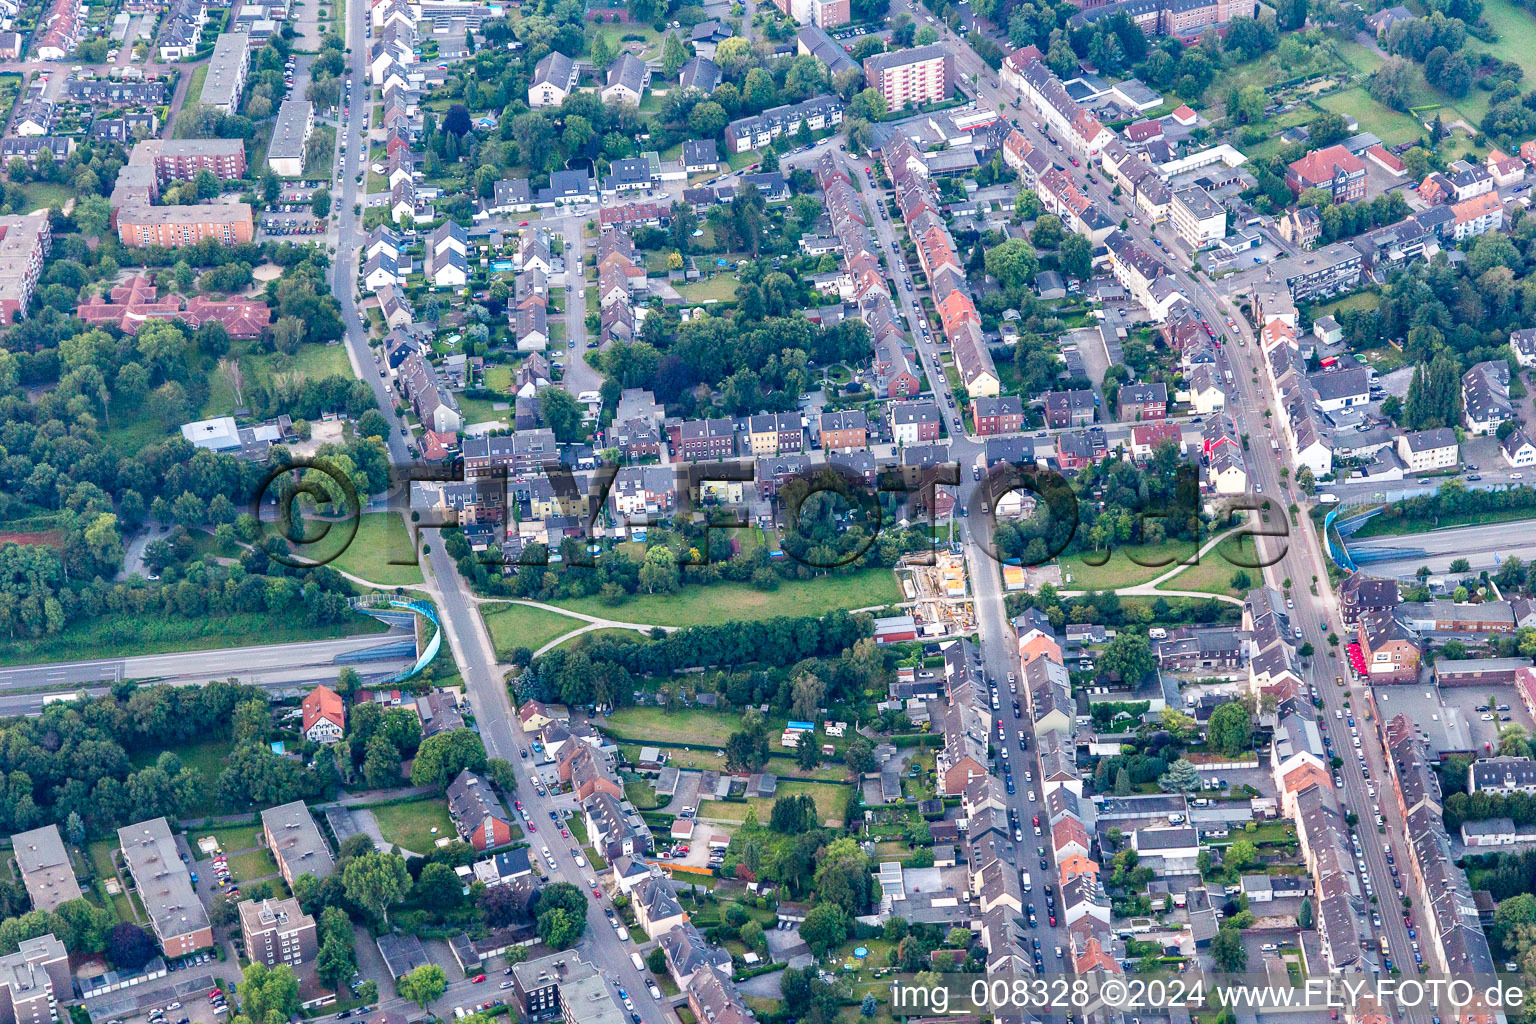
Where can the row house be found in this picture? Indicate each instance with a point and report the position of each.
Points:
(1003, 414)
(749, 133)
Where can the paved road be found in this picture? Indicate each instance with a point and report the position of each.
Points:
(1482, 546)
(187, 665)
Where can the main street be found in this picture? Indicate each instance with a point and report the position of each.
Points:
(1298, 558)
(460, 618)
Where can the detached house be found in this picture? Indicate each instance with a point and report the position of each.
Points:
(324, 715)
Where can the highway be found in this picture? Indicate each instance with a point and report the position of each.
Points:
(300, 661)
(1482, 546)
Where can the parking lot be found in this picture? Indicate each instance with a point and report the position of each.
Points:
(1466, 700)
(180, 998)
(291, 220)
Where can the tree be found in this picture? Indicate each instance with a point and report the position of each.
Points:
(129, 947)
(1130, 657)
(860, 755)
(1076, 257)
(562, 412)
(1304, 915)
(559, 929)
(656, 961)
(438, 889)
(1392, 84)
(824, 929)
(423, 986)
(441, 758)
(1227, 950)
(1181, 777)
(1231, 729)
(457, 120)
(336, 960)
(1241, 854)
(376, 879)
(268, 993)
(1123, 782)
(320, 203)
(1013, 263)
(869, 1006)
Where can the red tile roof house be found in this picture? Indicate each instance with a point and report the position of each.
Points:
(1335, 170)
(1378, 155)
(325, 715)
(478, 813)
(137, 301)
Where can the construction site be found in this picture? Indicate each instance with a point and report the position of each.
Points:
(937, 600)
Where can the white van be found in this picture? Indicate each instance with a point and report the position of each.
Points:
(634, 958)
(623, 934)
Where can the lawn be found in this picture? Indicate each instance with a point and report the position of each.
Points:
(100, 853)
(251, 865)
(698, 605)
(1392, 126)
(381, 542)
(719, 288)
(230, 837)
(207, 757)
(42, 195)
(483, 410)
(519, 625)
(416, 825)
(314, 362)
(126, 635)
(1119, 570)
(606, 631)
(686, 725)
(831, 802)
(195, 86)
(1213, 574)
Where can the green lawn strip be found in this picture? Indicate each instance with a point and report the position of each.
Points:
(126, 635)
(100, 853)
(606, 631)
(720, 287)
(1120, 570)
(520, 625)
(382, 540)
(409, 825)
(702, 605)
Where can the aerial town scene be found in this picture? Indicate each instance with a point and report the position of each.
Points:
(744, 512)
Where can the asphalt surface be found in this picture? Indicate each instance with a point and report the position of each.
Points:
(1482, 546)
(466, 634)
(241, 662)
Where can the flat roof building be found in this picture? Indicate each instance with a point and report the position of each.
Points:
(227, 72)
(176, 914)
(35, 981)
(45, 867)
(277, 932)
(295, 124)
(173, 227)
(296, 842)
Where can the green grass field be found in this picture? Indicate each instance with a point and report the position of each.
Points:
(686, 725)
(606, 631)
(314, 362)
(230, 837)
(720, 288)
(130, 635)
(43, 195)
(695, 605)
(1213, 575)
(251, 865)
(1120, 571)
(831, 802)
(207, 757)
(410, 825)
(381, 541)
(1392, 126)
(518, 625)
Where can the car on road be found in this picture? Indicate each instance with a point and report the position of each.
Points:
(477, 979)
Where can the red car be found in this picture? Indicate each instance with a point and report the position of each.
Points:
(564, 834)
(477, 979)
(522, 224)
(518, 804)
(1037, 820)
(682, 850)
(598, 893)
(532, 827)
(1053, 920)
